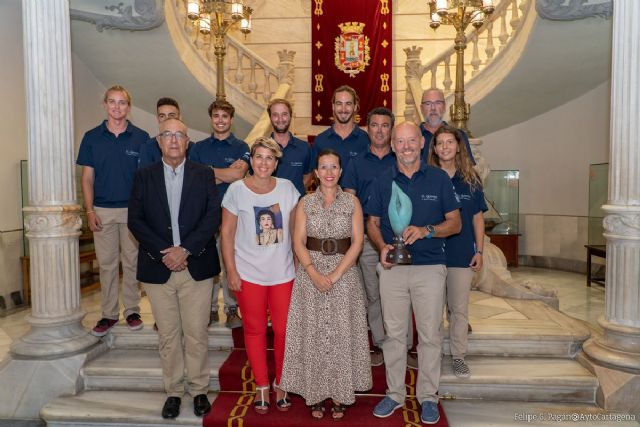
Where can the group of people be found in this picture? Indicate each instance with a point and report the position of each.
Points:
(313, 264)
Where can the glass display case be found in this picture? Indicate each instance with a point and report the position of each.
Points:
(598, 188)
(502, 194)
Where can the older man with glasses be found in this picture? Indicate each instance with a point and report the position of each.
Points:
(174, 212)
(433, 107)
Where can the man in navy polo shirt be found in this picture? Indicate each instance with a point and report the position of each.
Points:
(166, 108)
(435, 216)
(344, 136)
(109, 159)
(358, 178)
(228, 156)
(295, 163)
(433, 107)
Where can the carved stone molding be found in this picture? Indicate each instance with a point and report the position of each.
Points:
(621, 222)
(628, 226)
(142, 15)
(286, 67)
(572, 10)
(52, 221)
(413, 66)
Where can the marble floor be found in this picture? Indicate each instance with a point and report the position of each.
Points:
(576, 299)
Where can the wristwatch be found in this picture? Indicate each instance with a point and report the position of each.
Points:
(431, 231)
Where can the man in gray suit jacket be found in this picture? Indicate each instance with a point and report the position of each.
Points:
(174, 213)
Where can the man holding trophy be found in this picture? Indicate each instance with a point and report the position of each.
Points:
(411, 209)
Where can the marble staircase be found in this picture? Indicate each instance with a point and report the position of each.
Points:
(525, 355)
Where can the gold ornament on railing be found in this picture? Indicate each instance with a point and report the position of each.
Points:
(214, 18)
(459, 14)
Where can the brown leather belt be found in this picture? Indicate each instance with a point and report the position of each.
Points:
(329, 246)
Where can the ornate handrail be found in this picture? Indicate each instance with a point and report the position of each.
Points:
(438, 70)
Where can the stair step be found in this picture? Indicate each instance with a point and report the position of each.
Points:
(116, 408)
(525, 379)
(121, 337)
(138, 370)
(498, 378)
(490, 337)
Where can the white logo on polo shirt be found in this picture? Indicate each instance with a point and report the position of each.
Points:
(429, 197)
(296, 164)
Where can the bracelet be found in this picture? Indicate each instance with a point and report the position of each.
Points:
(88, 212)
(479, 252)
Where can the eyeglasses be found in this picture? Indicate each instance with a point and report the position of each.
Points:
(170, 135)
(428, 104)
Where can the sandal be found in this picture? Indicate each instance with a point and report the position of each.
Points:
(317, 411)
(338, 411)
(283, 404)
(261, 406)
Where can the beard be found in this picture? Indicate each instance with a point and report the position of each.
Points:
(434, 121)
(344, 121)
(281, 129)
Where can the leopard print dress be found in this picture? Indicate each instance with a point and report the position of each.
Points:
(327, 349)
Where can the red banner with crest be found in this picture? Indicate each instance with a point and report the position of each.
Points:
(351, 45)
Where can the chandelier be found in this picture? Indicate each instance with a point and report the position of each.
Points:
(219, 15)
(214, 18)
(459, 13)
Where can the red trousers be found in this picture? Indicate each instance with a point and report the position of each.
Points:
(254, 300)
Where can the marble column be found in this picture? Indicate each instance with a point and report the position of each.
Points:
(52, 219)
(616, 354)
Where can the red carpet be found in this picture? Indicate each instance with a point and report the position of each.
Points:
(235, 409)
(234, 404)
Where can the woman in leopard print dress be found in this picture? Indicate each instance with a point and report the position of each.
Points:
(327, 350)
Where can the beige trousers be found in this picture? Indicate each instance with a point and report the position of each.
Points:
(458, 289)
(420, 286)
(115, 244)
(369, 263)
(181, 310)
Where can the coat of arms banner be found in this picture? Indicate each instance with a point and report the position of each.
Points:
(351, 45)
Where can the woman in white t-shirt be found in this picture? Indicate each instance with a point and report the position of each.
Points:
(256, 247)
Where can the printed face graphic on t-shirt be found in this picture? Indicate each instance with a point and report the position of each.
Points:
(268, 224)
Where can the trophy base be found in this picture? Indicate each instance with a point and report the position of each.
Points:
(399, 255)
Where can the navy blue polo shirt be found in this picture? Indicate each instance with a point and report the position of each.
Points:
(295, 162)
(220, 154)
(461, 247)
(363, 171)
(150, 152)
(114, 161)
(355, 143)
(432, 196)
(428, 136)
